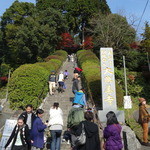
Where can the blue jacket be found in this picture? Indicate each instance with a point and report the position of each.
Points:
(80, 98)
(37, 133)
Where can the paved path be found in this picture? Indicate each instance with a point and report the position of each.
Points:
(64, 100)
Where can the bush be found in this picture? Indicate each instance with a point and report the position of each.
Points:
(90, 64)
(59, 54)
(53, 57)
(4, 69)
(28, 83)
(137, 85)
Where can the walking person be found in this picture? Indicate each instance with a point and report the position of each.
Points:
(52, 82)
(56, 125)
(144, 118)
(80, 98)
(61, 82)
(75, 85)
(37, 132)
(77, 72)
(19, 138)
(91, 132)
(112, 133)
(28, 116)
(75, 116)
(66, 74)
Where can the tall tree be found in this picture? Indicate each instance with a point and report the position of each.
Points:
(145, 43)
(35, 36)
(80, 11)
(1, 48)
(112, 30)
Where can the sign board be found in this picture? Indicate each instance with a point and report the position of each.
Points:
(127, 102)
(108, 86)
(8, 128)
(108, 79)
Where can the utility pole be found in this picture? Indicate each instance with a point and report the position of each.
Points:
(125, 75)
(83, 25)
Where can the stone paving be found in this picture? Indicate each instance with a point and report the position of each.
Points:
(64, 100)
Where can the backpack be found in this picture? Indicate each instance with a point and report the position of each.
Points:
(76, 115)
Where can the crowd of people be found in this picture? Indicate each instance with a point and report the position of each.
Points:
(81, 133)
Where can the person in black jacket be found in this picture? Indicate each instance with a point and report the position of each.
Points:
(28, 116)
(75, 86)
(19, 137)
(52, 82)
(91, 131)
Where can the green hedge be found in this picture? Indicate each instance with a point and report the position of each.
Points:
(90, 64)
(28, 83)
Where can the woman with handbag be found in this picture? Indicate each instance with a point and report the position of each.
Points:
(112, 133)
(92, 141)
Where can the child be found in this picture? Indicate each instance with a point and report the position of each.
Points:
(66, 74)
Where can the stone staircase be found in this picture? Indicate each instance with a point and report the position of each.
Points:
(64, 100)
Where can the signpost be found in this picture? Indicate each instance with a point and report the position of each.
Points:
(108, 86)
(8, 128)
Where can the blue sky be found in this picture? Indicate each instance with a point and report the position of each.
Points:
(130, 8)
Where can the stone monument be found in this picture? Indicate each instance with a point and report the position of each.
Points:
(108, 86)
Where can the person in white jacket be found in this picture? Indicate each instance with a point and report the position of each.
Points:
(55, 125)
(61, 82)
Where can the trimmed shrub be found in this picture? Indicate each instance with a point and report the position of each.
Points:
(90, 64)
(28, 83)
(53, 57)
(27, 86)
(59, 54)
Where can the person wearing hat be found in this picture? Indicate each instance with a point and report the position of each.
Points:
(52, 82)
(144, 118)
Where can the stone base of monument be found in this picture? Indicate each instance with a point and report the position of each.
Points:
(119, 114)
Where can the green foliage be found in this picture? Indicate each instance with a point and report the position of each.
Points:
(61, 53)
(35, 36)
(138, 86)
(28, 83)
(59, 5)
(4, 69)
(80, 11)
(91, 75)
(145, 43)
(3, 92)
(26, 86)
(16, 13)
(1, 48)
